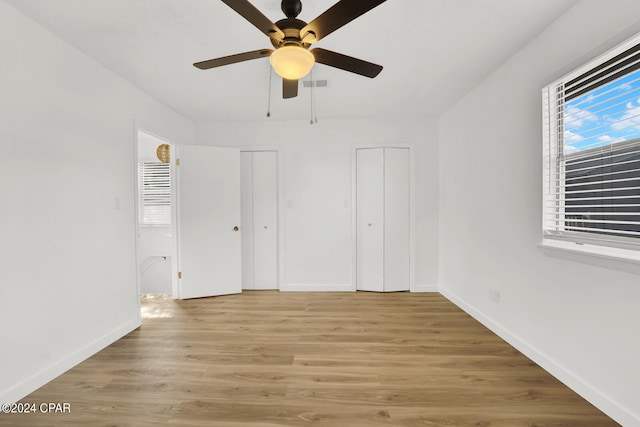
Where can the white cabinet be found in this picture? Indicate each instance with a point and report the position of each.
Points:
(259, 207)
(382, 219)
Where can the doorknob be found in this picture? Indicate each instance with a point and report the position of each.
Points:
(236, 228)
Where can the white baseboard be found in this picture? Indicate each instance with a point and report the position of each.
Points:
(426, 288)
(345, 287)
(34, 382)
(597, 398)
(305, 287)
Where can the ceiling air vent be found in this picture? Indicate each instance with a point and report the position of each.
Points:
(315, 83)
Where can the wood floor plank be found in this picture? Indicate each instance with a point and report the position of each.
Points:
(269, 359)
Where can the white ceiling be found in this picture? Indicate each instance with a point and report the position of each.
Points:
(433, 52)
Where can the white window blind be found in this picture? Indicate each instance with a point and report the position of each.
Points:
(591, 151)
(154, 193)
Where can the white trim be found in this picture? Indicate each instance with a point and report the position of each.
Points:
(136, 222)
(37, 380)
(306, 287)
(175, 283)
(604, 57)
(412, 218)
(412, 208)
(605, 403)
(421, 287)
(354, 220)
(607, 252)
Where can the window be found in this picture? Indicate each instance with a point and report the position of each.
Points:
(591, 152)
(154, 193)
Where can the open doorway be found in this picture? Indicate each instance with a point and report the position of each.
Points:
(154, 221)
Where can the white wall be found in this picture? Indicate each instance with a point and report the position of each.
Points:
(68, 274)
(576, 315)
(317, 179)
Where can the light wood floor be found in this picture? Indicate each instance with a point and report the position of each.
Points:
(266, 359)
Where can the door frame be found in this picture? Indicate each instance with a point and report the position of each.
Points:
(280, 200)
(412, 209)
(174, 276)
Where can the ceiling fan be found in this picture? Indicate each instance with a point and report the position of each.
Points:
(292, 38)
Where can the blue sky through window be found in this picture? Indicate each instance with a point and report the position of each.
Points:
(606, 115)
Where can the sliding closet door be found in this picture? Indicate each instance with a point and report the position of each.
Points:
(383, 219)
(396, 219)
(259, 190)
(369, 219)
(265, 219)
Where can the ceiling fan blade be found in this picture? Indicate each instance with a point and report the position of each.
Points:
(253, 15)
(289, 88)
(346, 63)
(232, 59)
(335, 17)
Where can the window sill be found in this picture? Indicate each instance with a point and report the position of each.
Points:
(606, 252)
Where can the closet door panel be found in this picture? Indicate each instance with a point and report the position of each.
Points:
(246, 209)
(370, 219)
(396, 220)
(265, 219)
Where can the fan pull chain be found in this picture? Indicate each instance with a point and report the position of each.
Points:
(269, 98)
(313, 119)
(315, 109)
(311, 98)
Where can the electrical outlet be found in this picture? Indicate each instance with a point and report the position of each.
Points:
(494, 295)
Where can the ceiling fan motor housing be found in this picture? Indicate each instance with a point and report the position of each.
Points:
(291, 28)
(291, 8)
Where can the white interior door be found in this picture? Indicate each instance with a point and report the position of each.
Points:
(370, 219)
(208, 220)
(265, 219)
(396, 220)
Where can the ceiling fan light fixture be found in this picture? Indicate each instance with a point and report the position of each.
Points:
(292, 62)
